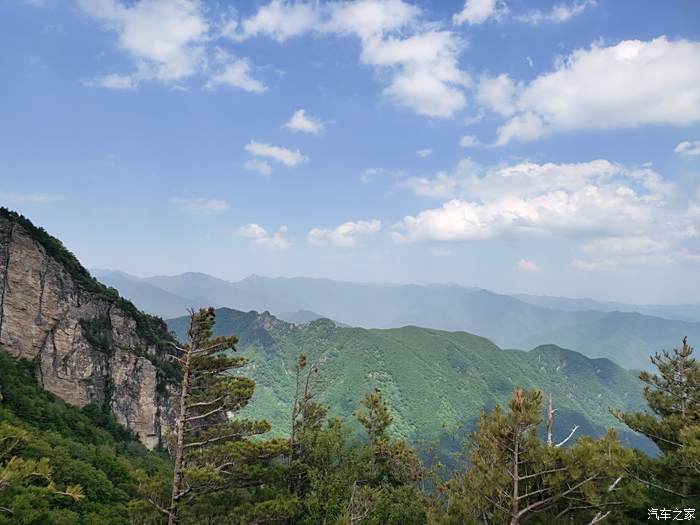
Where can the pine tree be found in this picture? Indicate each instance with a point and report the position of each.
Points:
(386, 491)
(307, 419)
(218, 468)
(513, 476)
(673, 395)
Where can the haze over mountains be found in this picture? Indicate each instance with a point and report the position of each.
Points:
(625, 333)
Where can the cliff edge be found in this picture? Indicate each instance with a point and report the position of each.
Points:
(89, 345)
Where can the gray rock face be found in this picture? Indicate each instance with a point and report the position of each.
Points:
(46, 317)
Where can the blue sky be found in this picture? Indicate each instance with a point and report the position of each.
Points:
(541, 147)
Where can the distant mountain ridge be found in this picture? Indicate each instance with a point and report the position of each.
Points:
(436, 382)
(681, 312)
(628, 338)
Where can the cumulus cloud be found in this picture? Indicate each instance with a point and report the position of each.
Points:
(477, 12)
(423, 153)
(279, 20)
(558, 13)
(346, 235)
(259, 166)
(260, 236)
(169, 41)
(583, 200)
(420, 61)
(497, 93)
(528, 266)
(628, 84)
(286, 156)
(200, 205)
(236, 73)
(165, 37)
(688, 147)
(300, 121)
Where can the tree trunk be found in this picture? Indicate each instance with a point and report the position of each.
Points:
(514, 517)
(180, 437)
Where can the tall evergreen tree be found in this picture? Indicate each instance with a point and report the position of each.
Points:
(673, 395)
(218, 468)
(513, 477)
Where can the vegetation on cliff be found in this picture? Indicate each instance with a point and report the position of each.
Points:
(150, 328)
(71, 447)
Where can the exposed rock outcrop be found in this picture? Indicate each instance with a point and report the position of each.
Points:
(89, 345)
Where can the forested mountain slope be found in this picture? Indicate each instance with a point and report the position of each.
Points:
(435, 381)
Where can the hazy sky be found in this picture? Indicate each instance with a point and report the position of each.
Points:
(538, 147)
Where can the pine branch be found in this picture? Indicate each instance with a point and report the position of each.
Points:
(205, 403)
(599, 517)
(573, 430)
(208, 414)
(158, 507)
(530, 494)
(555, 497)
(665, 489)
(550, 471)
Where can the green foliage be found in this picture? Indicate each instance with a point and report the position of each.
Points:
(513, 477)
(98, 332)
(673, 396)
(64, 447)
(217, 457)
(436, 382)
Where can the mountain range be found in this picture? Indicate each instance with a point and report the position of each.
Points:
(624, 333)
(436, 382)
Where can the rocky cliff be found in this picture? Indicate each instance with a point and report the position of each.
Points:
(89, 345)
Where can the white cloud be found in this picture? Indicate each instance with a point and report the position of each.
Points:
(200, 205)
(441, 186)
(468, 141)
(426, 75)
(165, 37)
(420, 62)
(590, 199)
(345, 235)
(286, 156)
(423, 153)
(558, 13)
(369, 18)
(497, 93)
(688, 147)
(628, 84)
(528, 266)
(280, 20)
(300, 121)
(260, 166)
(170, 41)
(236, 73)
(252, 231)
(113, 81)
(479, 11)
(260, 236)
